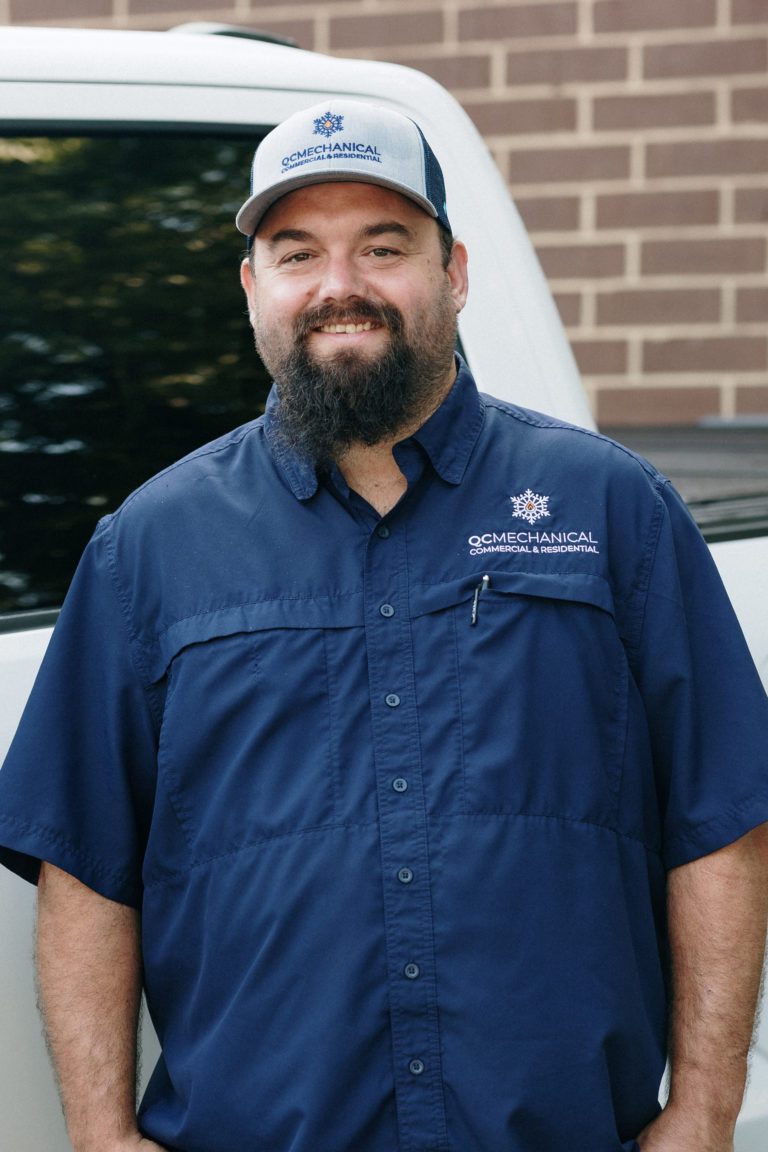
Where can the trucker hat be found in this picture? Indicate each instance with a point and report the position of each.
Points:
(344, 140)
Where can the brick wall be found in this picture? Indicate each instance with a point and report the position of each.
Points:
(634, 137)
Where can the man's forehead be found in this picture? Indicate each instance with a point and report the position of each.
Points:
(340, 202)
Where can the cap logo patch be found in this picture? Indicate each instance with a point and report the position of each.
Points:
(327, 124)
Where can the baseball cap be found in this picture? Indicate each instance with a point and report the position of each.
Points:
(344, 140)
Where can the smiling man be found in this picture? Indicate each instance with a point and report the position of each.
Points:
(402, 744)
(358, 324)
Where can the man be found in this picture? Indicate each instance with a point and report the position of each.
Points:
(402, 742)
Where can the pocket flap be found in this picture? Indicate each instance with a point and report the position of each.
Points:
(285, 612)
(577, 587)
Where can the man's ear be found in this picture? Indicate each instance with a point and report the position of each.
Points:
(249, 286)
(456, 271)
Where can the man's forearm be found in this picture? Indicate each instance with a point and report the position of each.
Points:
(89, 970)
(717, 909)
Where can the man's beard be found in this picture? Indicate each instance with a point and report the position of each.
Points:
(327, 404)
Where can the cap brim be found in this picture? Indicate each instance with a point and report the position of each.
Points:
(255, 207)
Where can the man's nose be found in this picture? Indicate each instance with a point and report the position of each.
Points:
(342, 279)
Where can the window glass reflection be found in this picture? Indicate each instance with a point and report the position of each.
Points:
(124, 341)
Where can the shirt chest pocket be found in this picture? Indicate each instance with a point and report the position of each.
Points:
(535, 694)
(247, 745)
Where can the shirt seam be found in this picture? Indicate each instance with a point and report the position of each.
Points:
(222, 445)
(719, 821)
(51, 836)
(504, 814)
(133, 636)
(551, 423)
(170, 875)
(641, 587)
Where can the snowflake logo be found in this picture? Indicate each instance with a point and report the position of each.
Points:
(530, 506)
(327, 124)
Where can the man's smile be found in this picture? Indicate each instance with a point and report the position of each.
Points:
(349, 328)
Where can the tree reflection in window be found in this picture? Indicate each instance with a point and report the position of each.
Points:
(124, 341)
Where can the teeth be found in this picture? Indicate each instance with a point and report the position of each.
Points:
(349, 329)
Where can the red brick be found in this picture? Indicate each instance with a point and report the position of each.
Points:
(150, 7)
(668, 110)
(550, 213)
(658, 209)
(706, 157)
(569, 307)
(748, 11)
(600, 357)
(714, 257)
(659, 306)
(581, 261)
(752, 305)
(454, 71)
(710, 354)
(656, 406)
(275, 5)
(711, 58)
(22, 11)
(750, 105)
(502, 117)
(382, 31)
(751, 205)
(752, 401)
(636, 15)
(515, 20)
(557, 165)
(567, 66)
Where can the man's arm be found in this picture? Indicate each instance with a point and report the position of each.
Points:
(89, 968)
(717, 909)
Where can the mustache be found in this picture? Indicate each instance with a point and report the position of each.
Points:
(357, 312)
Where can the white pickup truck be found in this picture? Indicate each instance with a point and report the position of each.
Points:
(123, 156)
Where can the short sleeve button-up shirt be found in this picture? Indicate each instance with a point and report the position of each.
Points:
(396, 797)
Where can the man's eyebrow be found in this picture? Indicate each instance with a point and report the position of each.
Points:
(294, 234)
(368, 232)
(385, 227)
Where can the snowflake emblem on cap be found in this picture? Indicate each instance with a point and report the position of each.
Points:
(327, 124)
(530, 506)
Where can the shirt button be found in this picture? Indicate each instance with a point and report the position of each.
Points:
(400, 784)
(405, 876)
(412, 971)
(382, 532)
(387, 610)
(416, 1067)
(392, 700)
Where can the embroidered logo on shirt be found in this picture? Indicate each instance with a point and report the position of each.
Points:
(530, 506)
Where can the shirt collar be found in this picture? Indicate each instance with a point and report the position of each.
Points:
(450, 433)
(298, 471)
(448, 436)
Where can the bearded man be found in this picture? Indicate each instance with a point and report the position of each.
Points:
(410, 814)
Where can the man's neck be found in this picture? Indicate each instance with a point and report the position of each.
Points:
(374, 474)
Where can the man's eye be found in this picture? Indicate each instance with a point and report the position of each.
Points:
(383, 252)
(295, 258)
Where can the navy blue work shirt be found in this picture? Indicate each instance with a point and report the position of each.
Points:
(396, 796)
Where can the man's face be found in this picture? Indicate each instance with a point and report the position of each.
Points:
(353, 312)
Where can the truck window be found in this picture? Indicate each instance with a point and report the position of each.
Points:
(124, 340)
